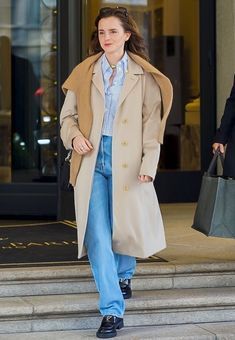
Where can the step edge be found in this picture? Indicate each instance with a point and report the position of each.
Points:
(83, 271)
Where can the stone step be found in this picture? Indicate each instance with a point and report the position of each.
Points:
(79, 311)
(149, 276)
(205, 331)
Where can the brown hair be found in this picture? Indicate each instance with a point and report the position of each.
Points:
(134, 44)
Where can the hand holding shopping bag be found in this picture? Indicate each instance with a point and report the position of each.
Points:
(215, 212)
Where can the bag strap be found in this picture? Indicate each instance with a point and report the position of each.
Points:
(68, 156)
(213, 162)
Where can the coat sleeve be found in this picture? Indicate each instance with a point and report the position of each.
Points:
(69, 128)
(227, 120)
(151, 127)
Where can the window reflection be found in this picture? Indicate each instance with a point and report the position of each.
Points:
(28, 105)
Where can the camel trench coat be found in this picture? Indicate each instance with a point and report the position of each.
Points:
(137, 223)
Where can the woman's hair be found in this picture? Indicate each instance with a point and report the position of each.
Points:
(134, 44)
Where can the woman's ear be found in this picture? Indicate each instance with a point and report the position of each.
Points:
(128, 34)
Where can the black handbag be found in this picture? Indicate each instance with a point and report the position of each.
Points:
(215, 211)
(65, 172)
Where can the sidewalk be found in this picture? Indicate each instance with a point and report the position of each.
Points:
(186, 245)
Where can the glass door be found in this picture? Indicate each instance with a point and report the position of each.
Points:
(28, 91)
(28, 114)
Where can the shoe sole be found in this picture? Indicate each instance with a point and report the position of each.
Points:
(120, 325)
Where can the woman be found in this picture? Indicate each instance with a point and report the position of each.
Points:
(113, 118)
(226, 135)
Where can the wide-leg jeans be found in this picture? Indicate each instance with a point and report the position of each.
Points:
(107, 267)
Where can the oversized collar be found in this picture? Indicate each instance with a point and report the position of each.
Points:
(80, 81)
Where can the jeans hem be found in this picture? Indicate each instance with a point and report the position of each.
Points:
(128, 277)
(113, 314)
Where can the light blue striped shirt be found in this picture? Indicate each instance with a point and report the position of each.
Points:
(112, 93)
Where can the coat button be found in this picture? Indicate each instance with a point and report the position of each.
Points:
(125, 188)
(124, 143)
(124, 121)
(125, 165)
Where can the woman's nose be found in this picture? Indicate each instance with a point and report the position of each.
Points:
(106, 35)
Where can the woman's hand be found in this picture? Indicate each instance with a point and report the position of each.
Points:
(81, 145)
(144, 178)
(219, 146)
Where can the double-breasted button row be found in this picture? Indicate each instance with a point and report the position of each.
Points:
(125, 143)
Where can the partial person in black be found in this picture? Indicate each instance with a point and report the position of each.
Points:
(225, 135)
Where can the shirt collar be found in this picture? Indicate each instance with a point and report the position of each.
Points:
(122, 63)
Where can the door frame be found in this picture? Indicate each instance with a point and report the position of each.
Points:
(184, 186)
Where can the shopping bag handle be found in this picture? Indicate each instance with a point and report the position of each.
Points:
(213, 162)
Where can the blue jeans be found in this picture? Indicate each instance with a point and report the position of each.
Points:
(107, 267)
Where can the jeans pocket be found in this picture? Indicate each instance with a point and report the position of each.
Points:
(98, 163)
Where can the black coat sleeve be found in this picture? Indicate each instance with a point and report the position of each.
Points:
(227, 120)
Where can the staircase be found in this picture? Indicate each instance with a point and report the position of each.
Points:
(170, 301)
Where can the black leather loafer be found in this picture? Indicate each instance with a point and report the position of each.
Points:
(108, 327)
(125, 286)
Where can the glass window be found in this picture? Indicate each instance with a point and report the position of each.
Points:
(171, 31)
(28, 142)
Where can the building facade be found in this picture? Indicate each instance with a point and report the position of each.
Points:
(41, 41)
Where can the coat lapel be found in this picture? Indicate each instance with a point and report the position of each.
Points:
(97, 77)
(130, 80)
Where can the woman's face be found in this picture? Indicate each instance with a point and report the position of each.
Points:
(112, 36)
